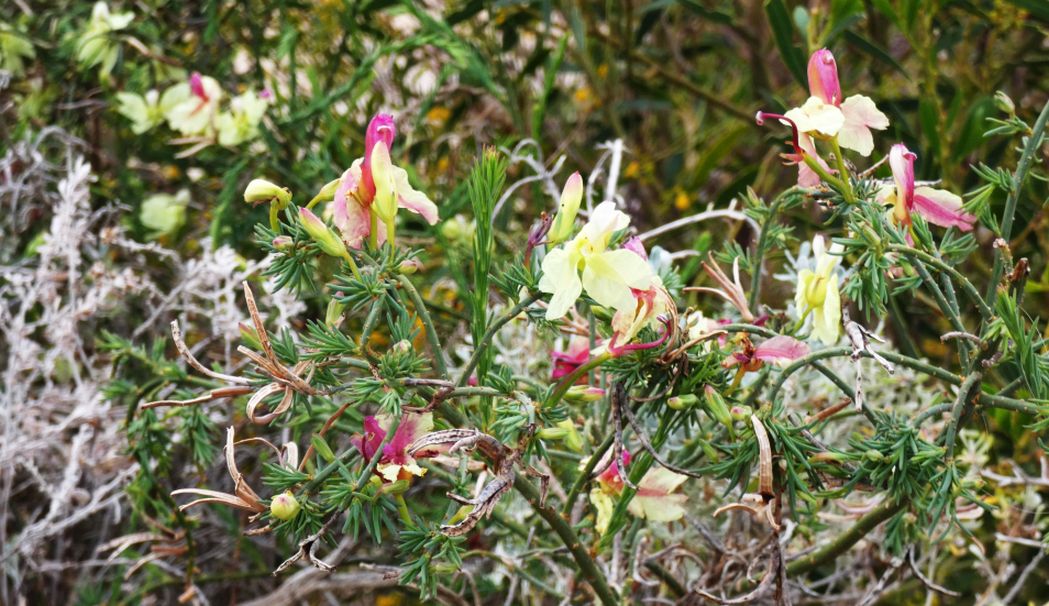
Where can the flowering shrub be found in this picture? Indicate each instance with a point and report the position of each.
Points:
(399, 364)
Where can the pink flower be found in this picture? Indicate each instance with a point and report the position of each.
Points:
(779, 350)
(565, 363)
(936, 206)
(352, 204)
(826, 115)
(395, 463)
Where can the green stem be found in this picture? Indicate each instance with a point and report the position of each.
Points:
(967, 286)
(431, 331)
(826, 176)
(844, 541)
(1034, 143)
(584, 475)
(850, 196)
(964, 397)
(402, 508)
(274, 217)
(569, 380)
(759, 253)
(564, 531)
(586, 564)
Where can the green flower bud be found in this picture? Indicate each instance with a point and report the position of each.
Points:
(328, 240)
(410, 266)
(683, 402)
(582, 394)
(261, 190)
(552, 433)
(333, 315)
(564, 220)
(1004, 103)
(326, 194)
(284, 506)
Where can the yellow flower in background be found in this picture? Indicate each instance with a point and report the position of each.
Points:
(96, 46)
(15, 49)
(241, 122)
(438, 115)
(164, 214)
(607, 275)
(682, 201)
(818, 294)
(143, 111)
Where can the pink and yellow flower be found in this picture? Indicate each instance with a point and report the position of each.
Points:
(656, 498)
(394, 463)
(374, 185)
(936, 206)
(826, 114)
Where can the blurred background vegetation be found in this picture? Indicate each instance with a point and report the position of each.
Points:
(677, 81)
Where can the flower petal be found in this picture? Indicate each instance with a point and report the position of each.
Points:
(942, 208)
(861, 115)
(412, 199)
(781, 350)
(609, 276)
(560, 278)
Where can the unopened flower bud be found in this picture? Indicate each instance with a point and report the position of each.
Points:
(683, 402)
(564, 221)
(326, 194)
(1004, 103)
(581, 394)
(328, 240)
(282, 242)
(333, 315)
(402, 347)
(410, 266)
(552, 433)
(261, 190)
(284, 506)
(573, 441)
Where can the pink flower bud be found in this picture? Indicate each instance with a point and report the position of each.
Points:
(381, 128)
(823, 77)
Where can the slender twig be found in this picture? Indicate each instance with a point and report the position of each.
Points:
(967, 286)
(845, 540)
(1034, 143)
(431, 330)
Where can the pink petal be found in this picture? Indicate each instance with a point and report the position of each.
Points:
(380, 128)
(373, 436)
(352, 219)
(781, 349)
(942, 208)
(635, 245)
(411, 199)
(823, 77)
(901, 160)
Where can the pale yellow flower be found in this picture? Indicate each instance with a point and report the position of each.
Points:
(818, 294)
(607, 275)
(190, 107)
(96, 46)
(241, 122)
(144, 111)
